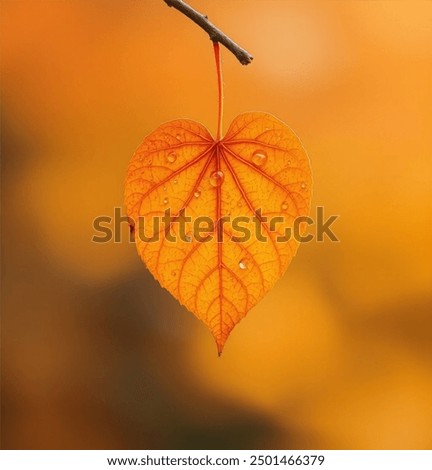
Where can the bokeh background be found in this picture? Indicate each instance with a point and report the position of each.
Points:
(94, 353)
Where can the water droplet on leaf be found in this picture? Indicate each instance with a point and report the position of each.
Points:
(216, 178)
(171, 157)
(243, 263)
(197, 193)
(165, 201)
(259, 157)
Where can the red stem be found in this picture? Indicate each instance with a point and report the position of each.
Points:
(220, 89)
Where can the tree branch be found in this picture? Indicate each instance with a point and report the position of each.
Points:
(216, 35)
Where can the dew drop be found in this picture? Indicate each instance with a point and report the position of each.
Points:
(164, 188)
(243, 263)
(289, 162)
(149, 161)
(197, 193)
(175, 181)
(178, 137)
(303, 185)
(165, 201)
(259, 157)
(188, 237)
(284, 206)
(171, 157)
(174, 273)
(216, 178)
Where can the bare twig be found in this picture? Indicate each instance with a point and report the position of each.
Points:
(216, 35)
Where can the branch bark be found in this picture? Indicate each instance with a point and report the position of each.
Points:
(216, 35)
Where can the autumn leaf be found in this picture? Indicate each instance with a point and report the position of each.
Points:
(257, 173)
(211, 215)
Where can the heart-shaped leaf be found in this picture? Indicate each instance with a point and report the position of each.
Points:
(224, 210)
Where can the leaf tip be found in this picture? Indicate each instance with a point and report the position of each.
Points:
(220, 343)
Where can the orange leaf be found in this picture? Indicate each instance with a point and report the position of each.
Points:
(257, 172)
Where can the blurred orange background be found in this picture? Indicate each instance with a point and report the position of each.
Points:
(94, 353)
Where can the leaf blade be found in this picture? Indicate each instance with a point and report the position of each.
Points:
(265, 172)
